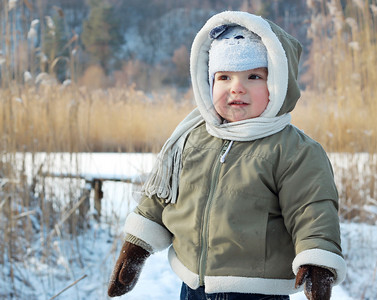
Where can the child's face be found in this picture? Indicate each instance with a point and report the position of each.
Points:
(241, 95)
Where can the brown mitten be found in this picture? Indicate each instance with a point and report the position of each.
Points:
(317, 282)
(127, 269)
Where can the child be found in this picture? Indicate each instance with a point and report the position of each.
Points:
(246, 201)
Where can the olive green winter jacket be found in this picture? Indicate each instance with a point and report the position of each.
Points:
(247, 223)
(238, 225)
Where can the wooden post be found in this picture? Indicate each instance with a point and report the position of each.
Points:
(94, 183)
(85, 205)
(98, 195)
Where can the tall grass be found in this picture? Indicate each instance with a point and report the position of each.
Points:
(71, 119)
(36, 213)
(339, 106)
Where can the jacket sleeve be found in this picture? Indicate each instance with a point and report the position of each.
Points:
(309, 202)
(144, 225)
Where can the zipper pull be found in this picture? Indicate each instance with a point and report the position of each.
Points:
(222, 158)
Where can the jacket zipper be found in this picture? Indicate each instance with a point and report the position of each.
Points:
(204, 233)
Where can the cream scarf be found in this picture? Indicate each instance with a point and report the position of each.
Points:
(164, 179)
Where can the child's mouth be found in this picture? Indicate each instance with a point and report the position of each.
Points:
(238, 103)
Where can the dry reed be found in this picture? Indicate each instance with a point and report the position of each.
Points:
(69, 119)
(338, 107)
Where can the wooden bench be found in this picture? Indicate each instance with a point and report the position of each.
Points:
(93, 182)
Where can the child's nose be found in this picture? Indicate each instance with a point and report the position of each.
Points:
(237, 87)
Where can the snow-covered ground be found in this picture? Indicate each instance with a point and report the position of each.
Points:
(90, 257)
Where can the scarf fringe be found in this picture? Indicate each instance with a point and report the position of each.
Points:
(164, 179)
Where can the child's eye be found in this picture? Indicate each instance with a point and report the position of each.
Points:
(255, 76)
(223, 77)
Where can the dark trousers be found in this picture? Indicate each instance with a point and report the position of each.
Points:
(199, 294)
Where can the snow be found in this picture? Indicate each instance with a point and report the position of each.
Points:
(91, 256)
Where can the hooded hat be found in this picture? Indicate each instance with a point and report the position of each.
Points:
(283, 54)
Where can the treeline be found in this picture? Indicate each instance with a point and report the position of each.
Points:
(109, 42)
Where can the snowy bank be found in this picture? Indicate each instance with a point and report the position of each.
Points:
(91, 256)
